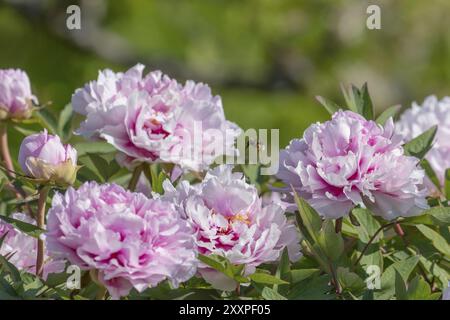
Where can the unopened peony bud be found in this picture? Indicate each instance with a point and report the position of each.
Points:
(16, 99)
(43, 157)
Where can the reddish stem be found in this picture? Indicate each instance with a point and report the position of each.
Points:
(4, 149)
(399, 230)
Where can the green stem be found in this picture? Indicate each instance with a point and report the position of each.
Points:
(135, 177)
(43, 193)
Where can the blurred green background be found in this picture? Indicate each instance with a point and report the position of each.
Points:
(266, 58)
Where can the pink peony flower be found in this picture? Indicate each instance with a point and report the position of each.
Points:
(43, 157)
(418, 119)
(20, 249)
(350, 161)
(155, 119)
(16, 99)
(230, 221)
(130, 240)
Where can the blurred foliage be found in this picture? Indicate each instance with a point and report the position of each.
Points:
(267, 59)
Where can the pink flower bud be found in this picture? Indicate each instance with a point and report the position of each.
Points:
(16, 99)
(44, 157)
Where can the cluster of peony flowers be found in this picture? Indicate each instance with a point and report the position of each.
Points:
(42, 156)
(137, 240)
(153, 118)
(418, 119)
(128, 239)
(20, 249)
(16, 99)
(350, 161)
(229, 220)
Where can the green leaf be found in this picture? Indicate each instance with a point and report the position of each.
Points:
(447, 184)
(315, 288)
(283, 271)
(368, 225)
(223, 265)
(302, 274)
(10, 268)
(270, 294)
(331, 243)
(251, 171)
(349, 280)
(418, 289)
(48, 120)
(213, 261)
(390, 112)
(349, 100)
(27, 228)
(404, 268)
(430, 173)
(329, 105)
(309, 221)
(65, 122)
(106, 169)
(24, 131)
(2, 239)
(400, 287)
(441, 214)
(366, 108)
(419, 146)
(93, 147)
(266, 278)
(438, 272)
(438, 241)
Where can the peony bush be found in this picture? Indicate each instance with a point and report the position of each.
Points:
(133, 192)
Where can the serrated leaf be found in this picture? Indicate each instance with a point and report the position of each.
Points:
(390, 112)
(27, 228)
(438, 241)
(419, 146)
(329, 105)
